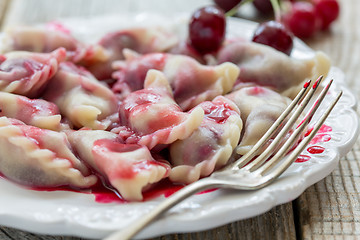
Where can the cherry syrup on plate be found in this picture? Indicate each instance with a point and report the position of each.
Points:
(322, 136)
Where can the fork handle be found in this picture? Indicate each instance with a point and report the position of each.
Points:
(139, 224)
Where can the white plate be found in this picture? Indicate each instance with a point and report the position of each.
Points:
(71, 213)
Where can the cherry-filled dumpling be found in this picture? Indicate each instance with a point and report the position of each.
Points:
(191, 82)
(140, 39)
(129, 168)
(35, 112)
(27, 73)
(262, 65)
(259, 107)
(154, 116)
(210, 146)
(39, 158)
(49, 38)
(81, 98)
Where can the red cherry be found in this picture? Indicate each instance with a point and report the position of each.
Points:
(226, 5)
(274, 34)
(207, 29)
(327, 11)
(263, 6)
(301, 20)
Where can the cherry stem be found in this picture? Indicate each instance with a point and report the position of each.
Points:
(277, 11)
(234, 10)
(275, 4)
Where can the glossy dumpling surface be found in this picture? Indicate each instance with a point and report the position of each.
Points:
(154, 116)
(129, 168)
(191, 82)
(142, 40)
(265, 66)
(80, 97)
(27, 73)
(259, 107)
(39, 158)
(208, 147)
(35, 112)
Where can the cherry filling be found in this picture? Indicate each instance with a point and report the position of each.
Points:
(133, 75)
(32, 107)
(138, 102)
(218, 113)
(20, 68)
(104, 150)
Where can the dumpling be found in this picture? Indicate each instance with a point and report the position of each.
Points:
(191, 82)
(154, 116)
(39, 158)
(80, 97)
(35, 112)
(142, 40)
(262, 65)
(259, 107)
(129, 168)
(47, 39)
(27, 73)
(208, 147)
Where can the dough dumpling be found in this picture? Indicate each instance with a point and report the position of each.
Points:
(27, 73)
(153, 115)
(81, 98)
(208, 147)
(190, 81)
(129, 168)
(38, 157)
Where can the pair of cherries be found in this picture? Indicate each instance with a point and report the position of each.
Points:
(208, 24)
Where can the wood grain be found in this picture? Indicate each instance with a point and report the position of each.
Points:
(329, 209)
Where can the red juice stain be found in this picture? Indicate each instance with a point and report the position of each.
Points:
(105, 194)
(325, 128)
(316, 149)
(307, 84)
(302, 158)
(208, 191)
(320, 138)
(164, 188)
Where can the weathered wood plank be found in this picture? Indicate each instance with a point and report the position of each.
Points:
(332, 206)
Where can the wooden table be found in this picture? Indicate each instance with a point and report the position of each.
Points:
(329, 209)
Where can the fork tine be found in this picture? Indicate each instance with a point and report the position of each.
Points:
(295, 153)
(269, 150)
(248, 156)
(295, 135)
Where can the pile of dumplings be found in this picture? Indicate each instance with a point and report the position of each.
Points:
(137, 107)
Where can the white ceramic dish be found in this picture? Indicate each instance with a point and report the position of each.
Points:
(71, 213)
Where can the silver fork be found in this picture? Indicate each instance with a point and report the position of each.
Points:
(245, 174)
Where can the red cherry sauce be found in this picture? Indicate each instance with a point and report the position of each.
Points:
(106, 195)
(219, 111)
(33, 107)
(321, 136)
(134, 74)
